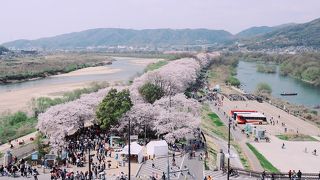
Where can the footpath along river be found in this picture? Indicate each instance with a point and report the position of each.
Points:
(308, 95)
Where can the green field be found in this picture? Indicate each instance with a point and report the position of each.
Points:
(296, 137)
(156, 65)
(215, 119)
(212, 124)
(266, 165)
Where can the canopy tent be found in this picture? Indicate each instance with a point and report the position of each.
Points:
(135, 149)
(157, 148)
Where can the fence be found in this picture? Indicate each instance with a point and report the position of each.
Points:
(280, 175)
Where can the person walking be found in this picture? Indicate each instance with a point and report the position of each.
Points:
(283, 146)
(163, 176)
(299, 174)
(35, 174)
(289, 174)
(263, 175)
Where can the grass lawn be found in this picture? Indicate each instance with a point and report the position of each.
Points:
(156, 65)
(296, 137)
(215, 119)
(266, 165)
(211, 123)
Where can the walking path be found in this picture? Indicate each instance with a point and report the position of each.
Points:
(222, 144)
(194, 166)
(240, 139)
(19, 150)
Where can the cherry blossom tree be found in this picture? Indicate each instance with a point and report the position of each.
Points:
(172, 116)
(65, 119)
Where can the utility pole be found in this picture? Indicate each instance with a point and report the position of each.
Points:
(168, 167)
(229, 124)
(145, 133)
(90, 174)
(129, 152)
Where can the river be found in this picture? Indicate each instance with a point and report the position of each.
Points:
(128, 69)
(17, 96)
(308, 95)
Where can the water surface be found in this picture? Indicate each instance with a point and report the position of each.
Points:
(128, 70)
(308, 95)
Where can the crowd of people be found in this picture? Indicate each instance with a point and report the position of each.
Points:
(18, 168)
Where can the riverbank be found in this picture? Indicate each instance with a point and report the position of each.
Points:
(18, 99)
(21, 69)
(302, 66)
(220, 72)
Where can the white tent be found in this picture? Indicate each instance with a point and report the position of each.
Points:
(157, 148)
(135, 149)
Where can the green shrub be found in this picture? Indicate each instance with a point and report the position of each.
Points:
(16, 125)
(151, 92)
(233, 81)
(263, 88)
(112, 107)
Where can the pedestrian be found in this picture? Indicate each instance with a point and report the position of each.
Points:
(263, 175)
(290, 174)
(163, 176)
(283, 146)
(315, 152)
(299, 174)
(35, 174)
(294, 174)
(153, 166)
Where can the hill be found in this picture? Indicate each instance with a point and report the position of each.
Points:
(114, 37)
(260, 30)
(306, 34)
(3, 49)
(255, 31)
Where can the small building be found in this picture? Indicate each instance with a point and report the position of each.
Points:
(135, 152)
(157, 148)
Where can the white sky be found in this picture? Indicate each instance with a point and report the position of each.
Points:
(31, 19)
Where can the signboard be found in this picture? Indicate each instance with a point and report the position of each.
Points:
(231, 155)
(34, 156)
(134, 137)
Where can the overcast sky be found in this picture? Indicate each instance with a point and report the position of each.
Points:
(31, 19)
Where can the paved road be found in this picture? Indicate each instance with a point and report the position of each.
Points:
(239, 138)
(222, 144)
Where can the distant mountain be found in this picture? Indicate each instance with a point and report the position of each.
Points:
(255, 31)
(260, 30)
(306, 34)
(113, 37)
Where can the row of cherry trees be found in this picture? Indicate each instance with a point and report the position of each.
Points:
(173, 116)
